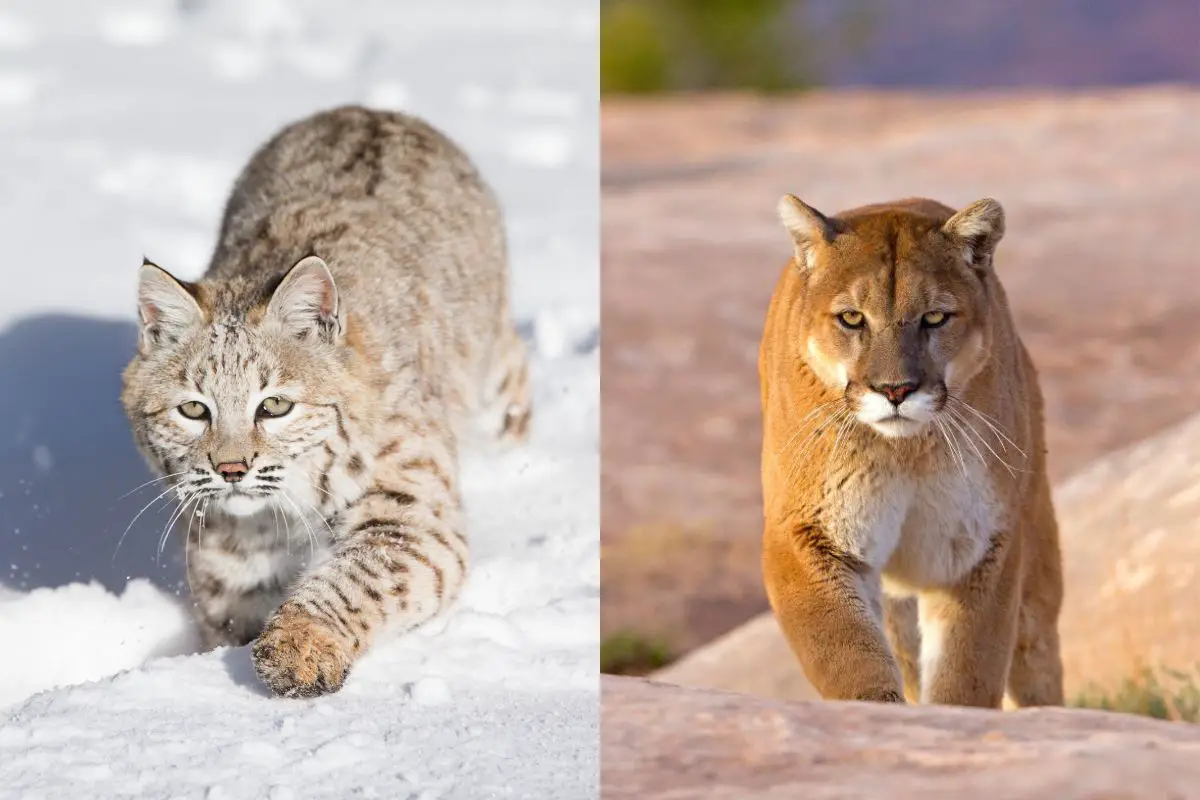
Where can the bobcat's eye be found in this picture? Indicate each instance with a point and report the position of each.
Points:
(274, 407)
(851, 319)
(194, 410)
(935, 319)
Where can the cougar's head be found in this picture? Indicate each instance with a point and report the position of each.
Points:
(896, 309)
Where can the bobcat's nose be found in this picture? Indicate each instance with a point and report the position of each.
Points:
(895, 392)
(233, 471)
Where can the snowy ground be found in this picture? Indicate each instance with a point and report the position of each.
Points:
(121, 128)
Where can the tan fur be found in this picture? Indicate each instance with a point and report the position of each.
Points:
(360, 279)
(914, 555)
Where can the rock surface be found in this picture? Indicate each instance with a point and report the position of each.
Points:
(1130, 527)
(1131, 553)
(753, 658)
(664, 742)
(1099, 261)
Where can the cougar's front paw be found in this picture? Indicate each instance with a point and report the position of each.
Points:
(299, 655)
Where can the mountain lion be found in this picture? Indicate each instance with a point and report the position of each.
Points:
(910, 547)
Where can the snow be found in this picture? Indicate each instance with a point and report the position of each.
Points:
(123, 125)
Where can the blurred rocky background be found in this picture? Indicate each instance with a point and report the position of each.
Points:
(655, 46)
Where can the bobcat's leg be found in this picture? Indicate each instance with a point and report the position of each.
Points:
(238, 571)
(968, 631)
(399, 557)
(829, 607)
(506, 401)
(900, 617)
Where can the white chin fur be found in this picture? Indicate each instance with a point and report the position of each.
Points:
(897, 427)
(915, 414)
(241, 505)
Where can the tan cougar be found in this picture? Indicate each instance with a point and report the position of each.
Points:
(910, 547)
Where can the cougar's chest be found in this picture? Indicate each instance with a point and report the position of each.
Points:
(918, 531)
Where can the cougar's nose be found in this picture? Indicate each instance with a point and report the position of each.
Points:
(895, 392)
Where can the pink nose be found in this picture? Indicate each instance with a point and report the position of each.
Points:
(233, 471)
(896, 392)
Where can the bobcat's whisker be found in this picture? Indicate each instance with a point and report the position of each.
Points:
(312, 536)
(203, 513)
(319, 489)
(275, 515)
(135, 519)
(187, 566)
(320, 516)
(151, 482)
(287, 528)
(179, 512)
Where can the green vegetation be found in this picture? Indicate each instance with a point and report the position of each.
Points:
(1162, 694)
(668, 45)
(629, 653)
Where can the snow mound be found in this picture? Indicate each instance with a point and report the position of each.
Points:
(96, 633)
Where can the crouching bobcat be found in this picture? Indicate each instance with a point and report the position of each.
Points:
(910, 547)
(311, 387)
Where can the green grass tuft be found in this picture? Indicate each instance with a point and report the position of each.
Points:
(629, 653)
(1163, 694)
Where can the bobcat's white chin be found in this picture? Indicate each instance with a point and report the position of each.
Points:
(243, 505)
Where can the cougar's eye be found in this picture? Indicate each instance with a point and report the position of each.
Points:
(194, 410)
(851, 319)
(274, 407)
(935, 319)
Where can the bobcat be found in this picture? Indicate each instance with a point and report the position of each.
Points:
(315, 382)
(910, 545)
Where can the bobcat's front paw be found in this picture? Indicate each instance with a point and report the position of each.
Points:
(299, 655)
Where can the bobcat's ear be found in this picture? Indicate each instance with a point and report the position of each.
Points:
(978, 228)
(166, 307)
(306, 301)
(807, 226)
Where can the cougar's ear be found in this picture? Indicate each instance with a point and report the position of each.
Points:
(978, 228)
(807, 226)
(167, 308)
(306, 301)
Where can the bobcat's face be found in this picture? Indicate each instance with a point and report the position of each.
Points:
(238, 408)
(895, 316)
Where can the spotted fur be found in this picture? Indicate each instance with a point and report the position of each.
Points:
(360, 282)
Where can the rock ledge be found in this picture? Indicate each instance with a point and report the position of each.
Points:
(662, 741)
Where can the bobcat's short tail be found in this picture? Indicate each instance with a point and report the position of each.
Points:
(507, 405)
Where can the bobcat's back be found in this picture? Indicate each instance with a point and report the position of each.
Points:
(412, 234)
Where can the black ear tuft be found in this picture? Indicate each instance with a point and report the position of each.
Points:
(166, 306)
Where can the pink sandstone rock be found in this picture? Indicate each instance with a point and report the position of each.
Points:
(662, 742)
